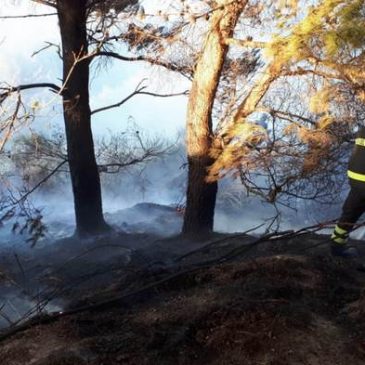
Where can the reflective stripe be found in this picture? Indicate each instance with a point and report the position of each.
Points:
(356, 176)
(338, 240)
(339, 235)
(340, 230)
(360, 142)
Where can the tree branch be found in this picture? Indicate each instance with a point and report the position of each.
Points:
(256, 94)
(245, 43)
(13, 89)
(35, 187)
(46, 2)
(183, 93)
(11, 124)
(153, 61)
(282, 114)
(48, 45)
(271, 73)
(134, 93)
(118, 166)
(302, 72)
(26, 16)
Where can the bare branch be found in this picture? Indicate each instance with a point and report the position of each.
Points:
(134, 93)
(9, 90)
(49, 45)
(283, 114)
(26, 16)
(169, 66)
(183, 93)
(23, 197)
(119, 166)
(117, 105)
(10, 127)
(46, 2)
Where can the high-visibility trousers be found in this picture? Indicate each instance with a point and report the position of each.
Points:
(353, 208)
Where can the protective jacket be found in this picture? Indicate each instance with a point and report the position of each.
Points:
(356, 170)
(354, 205)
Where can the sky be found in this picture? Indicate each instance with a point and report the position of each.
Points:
(20, 38)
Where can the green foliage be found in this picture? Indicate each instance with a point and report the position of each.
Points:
(329, 31)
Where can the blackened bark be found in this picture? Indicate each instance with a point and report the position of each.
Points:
(201, 198)
(84, 171)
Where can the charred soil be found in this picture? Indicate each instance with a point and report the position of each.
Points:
(279, 303)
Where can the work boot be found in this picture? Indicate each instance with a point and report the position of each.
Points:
(343, 251)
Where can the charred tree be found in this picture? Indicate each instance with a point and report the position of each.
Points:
(201, 194)
(85, 178)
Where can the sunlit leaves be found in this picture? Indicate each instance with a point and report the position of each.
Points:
(319, 102)
(325, 32)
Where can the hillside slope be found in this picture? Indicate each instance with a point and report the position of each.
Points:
(279, 303)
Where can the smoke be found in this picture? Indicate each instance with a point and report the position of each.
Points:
(161, 181)
(142, 203)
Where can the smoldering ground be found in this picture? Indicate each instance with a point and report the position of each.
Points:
(144, 207)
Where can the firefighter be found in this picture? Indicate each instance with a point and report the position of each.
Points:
(354, 205)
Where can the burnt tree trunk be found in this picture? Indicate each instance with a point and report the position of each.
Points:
(81, 157)
(201, 195)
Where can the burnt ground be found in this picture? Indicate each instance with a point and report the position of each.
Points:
(277, 302)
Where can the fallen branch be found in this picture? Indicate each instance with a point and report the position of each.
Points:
(52, 317)
(127, 298)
